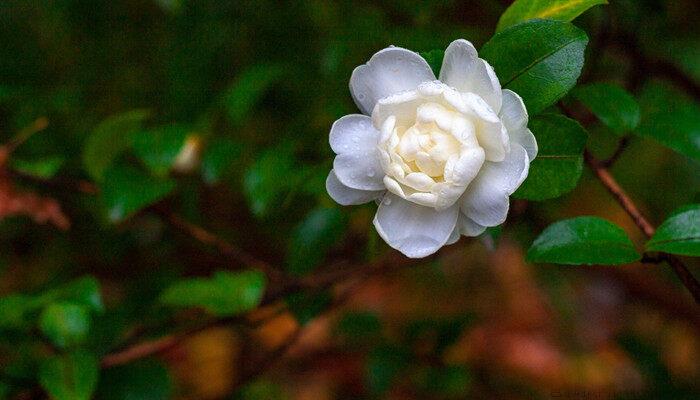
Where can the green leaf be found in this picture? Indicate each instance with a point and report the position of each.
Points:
(220, 155)
(13, 311)
(559, 162)
(226, 293)
(671, 119)
(65, 324)
(434, 59)
(583, 240)
(616, 108)
(69, 377)
(269, 179)
(357, 328)
(248, 90)
(159, 147)
(84, 291)
(318, 232)
(126, 190)
(109, 139)
(307, 306)
(42, 168)
(679, 234)
(384, 364)
(562, 10)
(142, 380)
(540, 60)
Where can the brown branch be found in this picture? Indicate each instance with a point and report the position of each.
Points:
(621, 147)
(628, 205)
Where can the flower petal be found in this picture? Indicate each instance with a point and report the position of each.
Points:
(463, 70)
(468, 227)
(388, 72)
(414, 230)
(486, 199)
(361, 170)
(353, 134)
(490, 132)
(347, 196)
(515, 119)
(454, 236)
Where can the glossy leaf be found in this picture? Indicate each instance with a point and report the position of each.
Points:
(539, 59)
(226, 293)
(559, 163)
(248, 89)
(671, 119)
(65, 324)
(70, 377)
(109, 139)
(583, 241)
(321, 229)
(159, 147)
(126, 190)
(613, 106)
(562, 10)
(679, 234)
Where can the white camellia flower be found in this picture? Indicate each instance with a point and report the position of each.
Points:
(441, 156)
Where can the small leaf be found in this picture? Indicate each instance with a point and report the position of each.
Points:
(248, 89)
(142, 380)
(126, 190)
(562, 10)
(318, 232)
(540, 60)
(679, 234)
(220, 155)
(434, 59)
(616, 108)
(226, 293)
(269, 179)
(42, 168)
(109, 139)
(13, 311)
(84, 291)
(159, 147)
(65, 324)
(559, 162)
(69, 377)
(307, 306)
(583, 240)
(671, 119)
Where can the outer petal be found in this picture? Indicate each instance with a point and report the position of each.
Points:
(492, 135)
(466, 72)
(362, 170)
(454, 236)
(486, 198)
(353, 134)
(414, 230)
(515, 118)
(347, 196)
(468, 227)
(388, 72)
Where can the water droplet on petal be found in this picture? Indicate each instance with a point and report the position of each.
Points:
(370, 173)
(387, 201)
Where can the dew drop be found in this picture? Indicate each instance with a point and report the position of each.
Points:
(387, 201)
(370, 173)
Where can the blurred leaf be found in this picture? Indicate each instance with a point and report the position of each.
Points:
(671, 119)
(248, 90)
(583, 240)
(451, 381)
(261, 389)
(142, 380)
(307, 306)
(616, 108)
(226, 293)
(437, 333)
(84, 291)
(679, 234)
(69, 377)
(13, 310)
(159, 147)
(562, 10)
(220, 155)
(109, 139)
(65, 324)
(540, 60)
(42, 168)
(269, 179)
(434, 58)
(384, 364)
(126, 190)
(4, 391)
(319, 231)
(559, 162)
(359, 328)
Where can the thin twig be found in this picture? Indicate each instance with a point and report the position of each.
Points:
(628, 205)
(621, 147)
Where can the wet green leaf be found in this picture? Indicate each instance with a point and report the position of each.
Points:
(679, 234)
(616, 108)
(562, 10)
